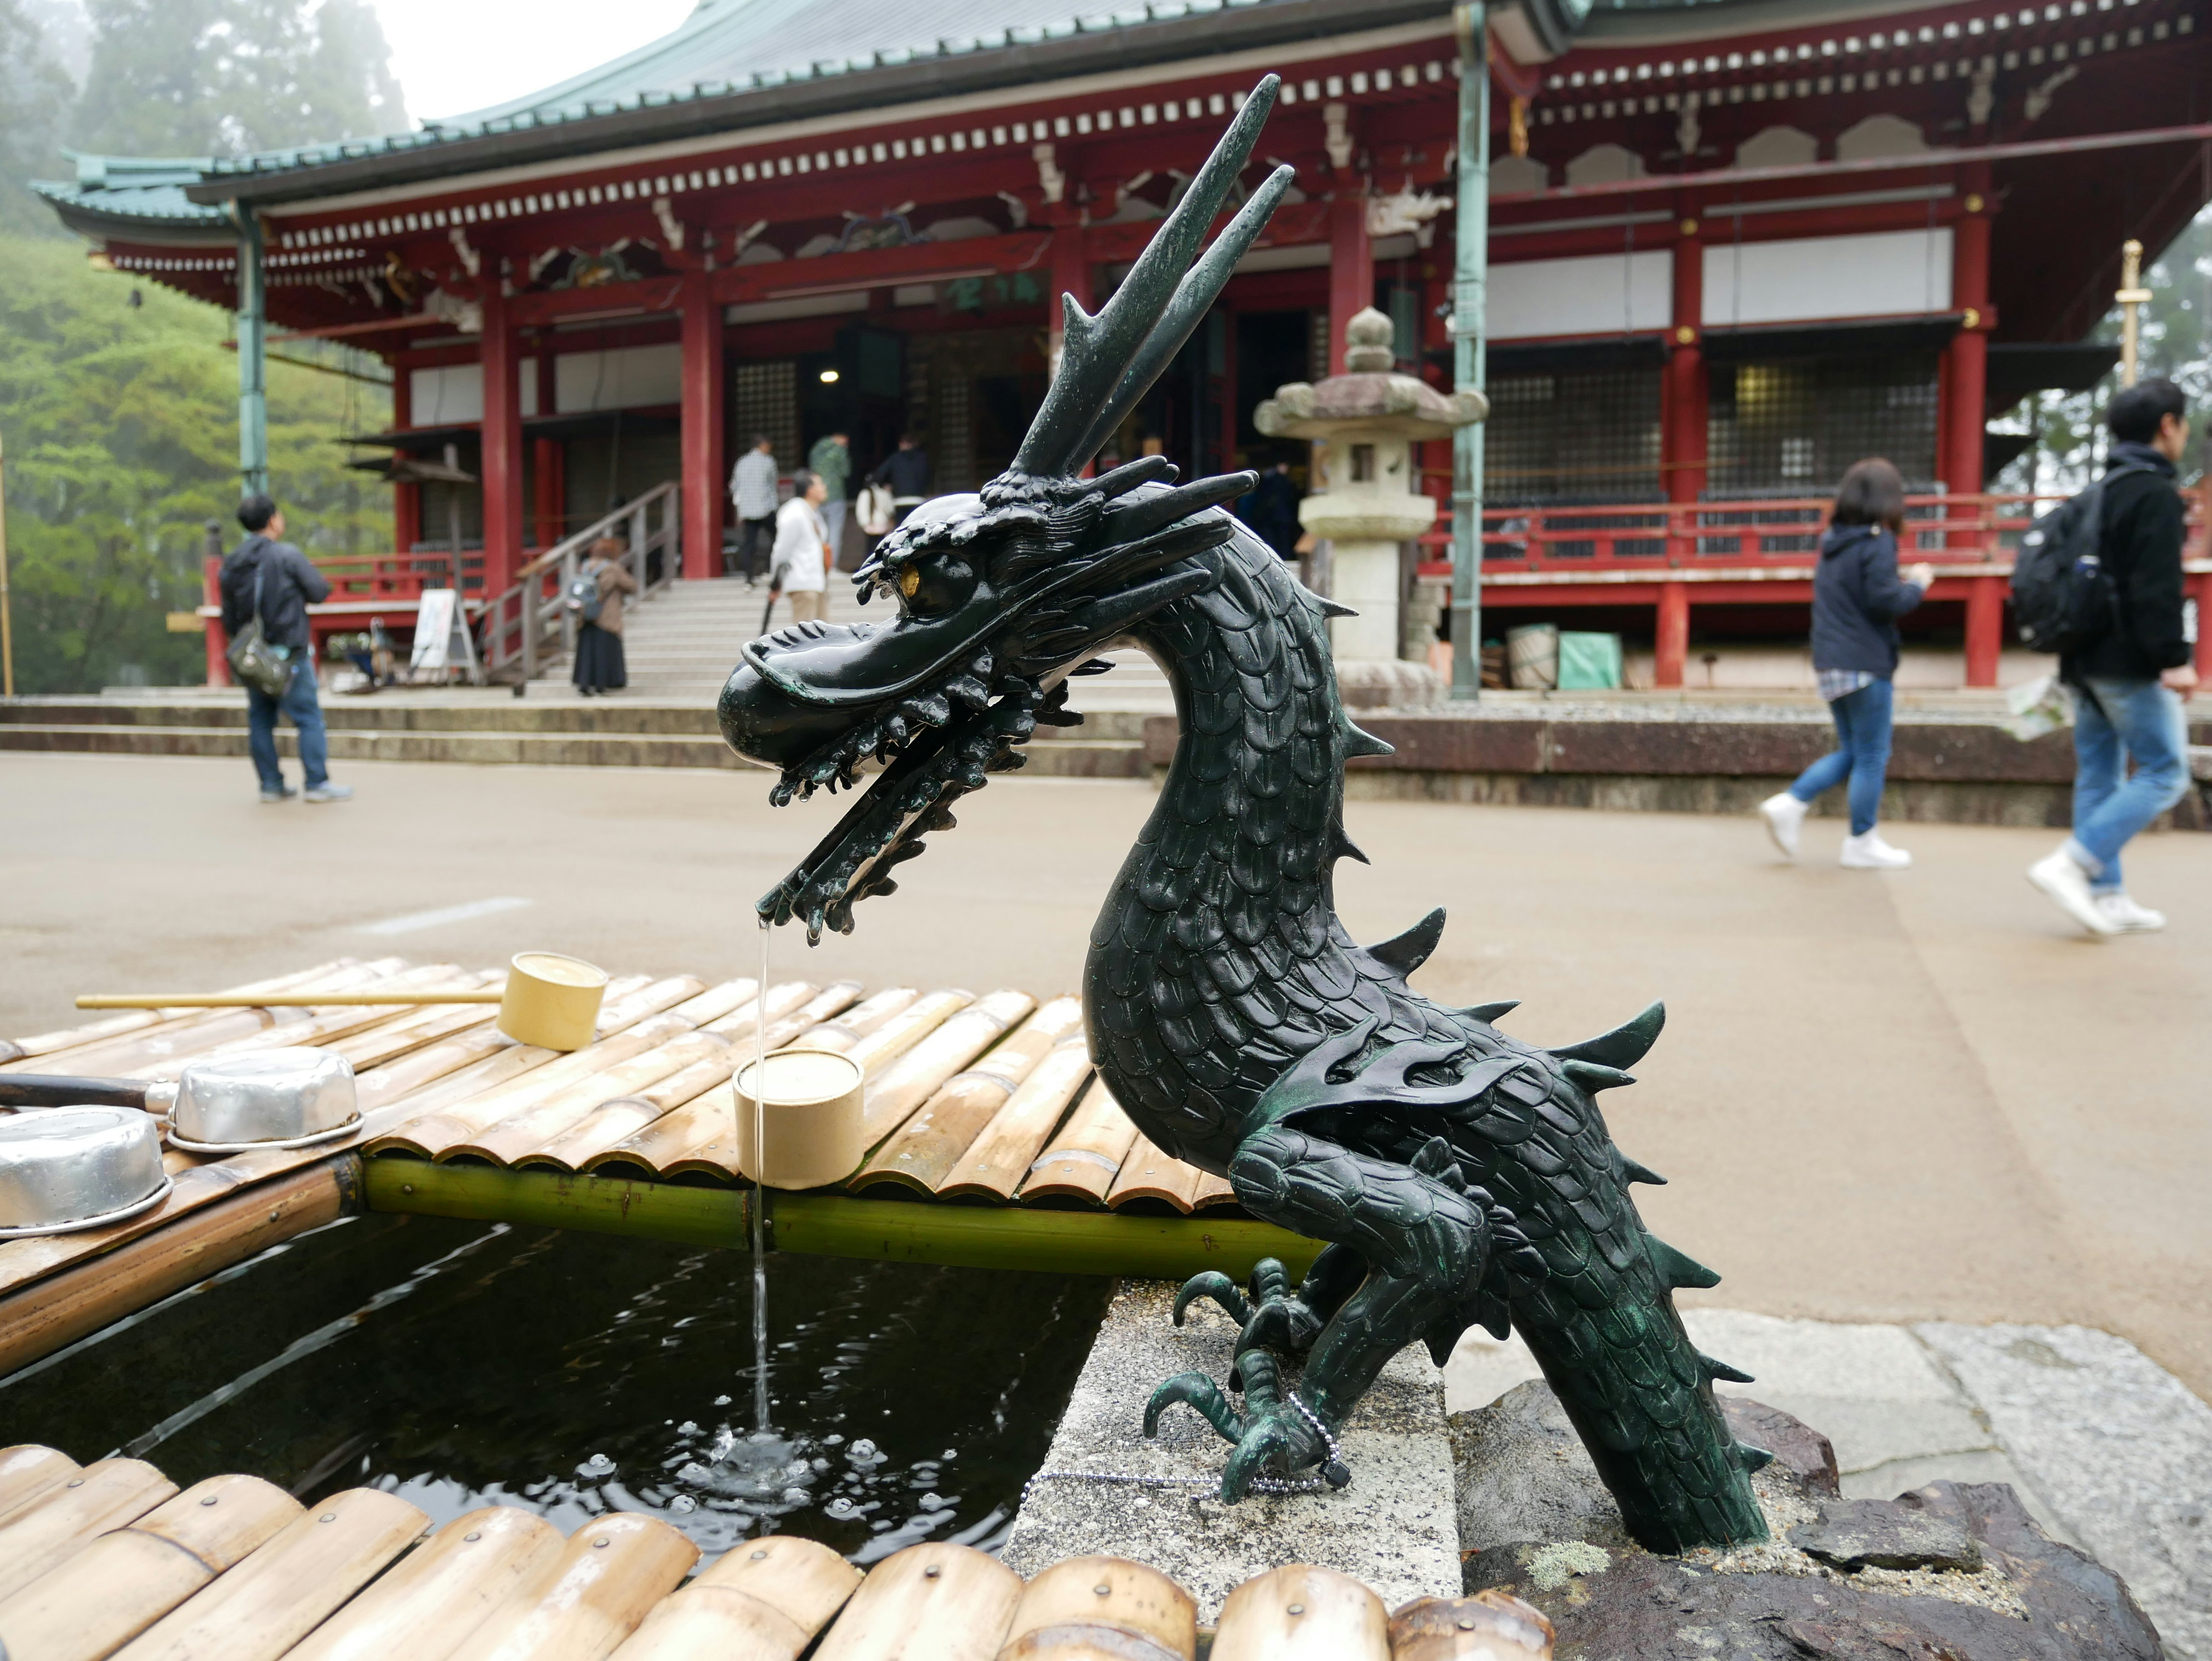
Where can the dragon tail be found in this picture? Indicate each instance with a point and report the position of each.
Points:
(1641, 1397)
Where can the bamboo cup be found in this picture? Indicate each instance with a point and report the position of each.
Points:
(550, 1001)
(810, 1122)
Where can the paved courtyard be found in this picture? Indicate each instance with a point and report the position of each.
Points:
(1879, 1099)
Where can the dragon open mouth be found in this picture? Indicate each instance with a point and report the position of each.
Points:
(1001, 595)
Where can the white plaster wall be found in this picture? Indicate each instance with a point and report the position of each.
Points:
(621, 380)
(1597, 293)
(1887, 274)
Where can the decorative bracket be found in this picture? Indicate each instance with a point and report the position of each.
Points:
(672, 228)
(472, 261)
(1050, 179)
(1338, 140)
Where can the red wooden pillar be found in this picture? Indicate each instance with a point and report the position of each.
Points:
(549, 490)
(218, 642)
(1967, 362)
(704, 389)
(406, 499)
(502, 443)
(1229, 462)
(1682, 454)
(2204, 630)
(1350, 269)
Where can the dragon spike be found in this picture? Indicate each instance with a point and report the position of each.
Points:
(1636, 1172)
(1329, 608)
(1592, 1077)
(1141, 518)
(1407, 951)
(1156, 308)
(1625, 1045)
(1359, 743)
(1752, 1458)
(1675, 1270)
(1120, 481)
(1492, 1013)
(1713, 1369)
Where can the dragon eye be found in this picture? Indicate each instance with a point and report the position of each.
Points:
(934, 588)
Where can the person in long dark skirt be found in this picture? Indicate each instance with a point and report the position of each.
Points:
(1858, 597)
(599, 666)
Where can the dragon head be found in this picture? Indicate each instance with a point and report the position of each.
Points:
(999, 596)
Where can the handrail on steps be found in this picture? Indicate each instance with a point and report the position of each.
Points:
(527, 617)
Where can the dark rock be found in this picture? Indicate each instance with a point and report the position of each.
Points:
(1794, 1444)
(1881, 1534)
(1524, 1475)
(1663, 1608)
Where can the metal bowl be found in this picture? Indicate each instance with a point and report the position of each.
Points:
(263, 1098)
(67, 1168)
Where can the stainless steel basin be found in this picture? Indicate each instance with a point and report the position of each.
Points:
(66, 1168)
(263, 1098)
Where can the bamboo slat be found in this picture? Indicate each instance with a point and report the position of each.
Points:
(700, 1136)
(617, 1012)
(121, 1583)
(509, 1138)
(929, 1602)
(268, 1602)
(38, 1053)
(76, 1300)
(62, 1523)
(992, 1166)
(589, 1598)
(1212, 1190)
(1148, 1174)
(1086, 1607)
(877, 1050)
(427, 1606)
(1490, 1626)
(718, 1001)
(831, 999)
(425, 1024)
(864, 1017)
(782, 998)
(165, 1047)
(1299, 1613)
(326, 1025)
(463, 1065)
(615, 1121)
(28, 1471)
(926, 1148)
(1086, 1155)
(461, 1121)
(907, 1083)
(762, 1601)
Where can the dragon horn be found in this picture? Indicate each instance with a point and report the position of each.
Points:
(1151, 314)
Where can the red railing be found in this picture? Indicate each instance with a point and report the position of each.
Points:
(400, 578)
(1751, 534)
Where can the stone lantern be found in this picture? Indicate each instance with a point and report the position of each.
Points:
(1368, 498)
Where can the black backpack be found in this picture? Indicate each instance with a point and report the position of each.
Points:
(2063, 598)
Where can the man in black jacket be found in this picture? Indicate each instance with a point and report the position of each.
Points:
(906, 470)
(2130, 682)
(268, 574)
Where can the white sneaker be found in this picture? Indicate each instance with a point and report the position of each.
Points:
(2126, 917)
(2068, 884)
(1785, 817)
(1871, 853)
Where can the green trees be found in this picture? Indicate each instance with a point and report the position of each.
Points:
(119, 404)
(120, 424)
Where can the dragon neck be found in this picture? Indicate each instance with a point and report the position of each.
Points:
(1229, 888)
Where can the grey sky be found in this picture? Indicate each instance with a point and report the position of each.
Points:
(454, 56)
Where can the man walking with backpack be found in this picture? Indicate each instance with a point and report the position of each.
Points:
(2130, 667)
(268, 580)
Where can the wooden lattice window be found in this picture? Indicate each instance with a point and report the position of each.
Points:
(765, 399)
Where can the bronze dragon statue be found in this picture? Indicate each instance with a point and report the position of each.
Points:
(1458, 1175)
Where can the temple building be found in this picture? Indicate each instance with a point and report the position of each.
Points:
(1732, 246)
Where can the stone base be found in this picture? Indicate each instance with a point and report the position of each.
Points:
(1951, 1570)
(1388, 684)
(1394, 1528)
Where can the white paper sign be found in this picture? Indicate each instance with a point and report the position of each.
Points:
(433, 630)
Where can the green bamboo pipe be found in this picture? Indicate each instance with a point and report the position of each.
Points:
(838, 1225)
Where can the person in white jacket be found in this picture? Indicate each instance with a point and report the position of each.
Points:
(799, 564)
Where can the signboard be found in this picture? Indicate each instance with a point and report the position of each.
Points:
(442, 639)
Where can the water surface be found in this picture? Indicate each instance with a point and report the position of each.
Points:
(463, 1364)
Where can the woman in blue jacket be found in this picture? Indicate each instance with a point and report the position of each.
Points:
(1858, 597)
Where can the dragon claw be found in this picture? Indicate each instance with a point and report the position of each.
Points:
(1194, 1390)
(1216, 1285)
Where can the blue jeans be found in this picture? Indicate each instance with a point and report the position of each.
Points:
(300, 707)
(1861, 755)
(2113, 721)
